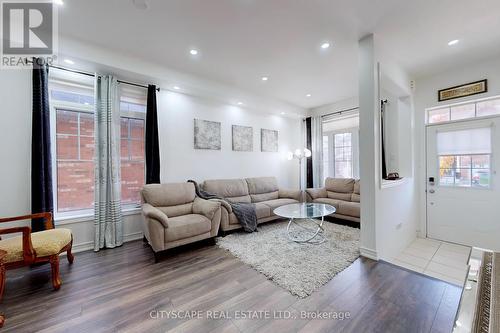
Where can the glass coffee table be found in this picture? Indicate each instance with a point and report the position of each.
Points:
(313, 233)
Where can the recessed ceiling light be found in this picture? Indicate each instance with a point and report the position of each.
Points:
(325, 45)
(240, 103)
(69, 61)
(453, 42)
(58, 2)
(193, 52)
(282, 113)
(265, 78)
(176, 87)
(308, 95)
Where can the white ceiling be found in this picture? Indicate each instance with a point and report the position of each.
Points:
(239, 41)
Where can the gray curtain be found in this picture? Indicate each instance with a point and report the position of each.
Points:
(317, 150)
(108, 214)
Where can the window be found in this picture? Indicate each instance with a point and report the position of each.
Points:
(326, 159)
(343, 155)
(464, 157)
(132, 159)
(464, 111)
(132, 129)
(74, 160)
(72, 102)
(465, 170)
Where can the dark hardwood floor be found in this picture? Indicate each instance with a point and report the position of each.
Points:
(122, 290)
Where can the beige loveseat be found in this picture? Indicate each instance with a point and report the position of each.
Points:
(174, 216)
(262, 191)
(342, 193)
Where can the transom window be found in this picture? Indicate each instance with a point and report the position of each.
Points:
(481, 108)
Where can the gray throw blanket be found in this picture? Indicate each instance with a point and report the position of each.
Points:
(245, 212)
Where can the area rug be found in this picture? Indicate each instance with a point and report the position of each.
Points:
(300, 268)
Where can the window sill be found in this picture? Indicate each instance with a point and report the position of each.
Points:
(77, 218)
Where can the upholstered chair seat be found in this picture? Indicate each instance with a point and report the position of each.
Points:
(45, 243)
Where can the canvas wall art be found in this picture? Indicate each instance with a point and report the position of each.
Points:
(207, 134)
(242, 138)
(268, 140)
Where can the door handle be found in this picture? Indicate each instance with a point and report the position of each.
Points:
(432, 190)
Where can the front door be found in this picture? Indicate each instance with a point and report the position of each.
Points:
(463, 187)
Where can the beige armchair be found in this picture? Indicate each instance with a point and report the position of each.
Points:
(174, 216)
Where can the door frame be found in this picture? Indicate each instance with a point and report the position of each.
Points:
(426, 127)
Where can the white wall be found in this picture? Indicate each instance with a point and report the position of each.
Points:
(426, 97)
(180, 161)
(389, 213)
(175, 111)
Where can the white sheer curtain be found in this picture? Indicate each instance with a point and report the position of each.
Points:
(317, 150)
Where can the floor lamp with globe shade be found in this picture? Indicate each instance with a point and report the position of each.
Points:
(300, 154)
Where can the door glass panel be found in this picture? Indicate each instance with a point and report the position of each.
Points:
(481, 178)
(462, 177)
(447, 177)
(481, 161)
(446, 162)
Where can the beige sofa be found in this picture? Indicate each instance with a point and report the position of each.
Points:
(342, 193)
(262, 191)
(174, 216)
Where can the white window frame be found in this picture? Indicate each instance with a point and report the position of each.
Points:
(450, 106)
(75, 107)
(78, 107)
(490, 171)
(354, 151)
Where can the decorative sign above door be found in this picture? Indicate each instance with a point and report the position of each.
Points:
(463, 90)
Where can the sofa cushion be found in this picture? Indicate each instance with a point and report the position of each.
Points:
(264, 196)
(328, 201)
(173, 211)
(339, 185)
(186, 226)
(273, 204)
(172, 194)
(262, 185)
(357, 186)
(349, 209)
(226, 188)
(355, 197)
(339, 196)
(242, 199)
(233, 219)
(45, 243)
(262, 210)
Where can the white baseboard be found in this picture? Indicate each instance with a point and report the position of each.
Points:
(85, 246)
(368, 253)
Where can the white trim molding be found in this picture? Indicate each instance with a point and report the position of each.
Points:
(368, 253)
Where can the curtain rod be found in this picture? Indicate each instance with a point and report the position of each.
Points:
(93, 75)
(339, 112)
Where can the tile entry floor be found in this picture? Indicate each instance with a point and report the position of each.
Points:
(441, 260)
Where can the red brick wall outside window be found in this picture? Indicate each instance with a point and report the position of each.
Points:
(75, 160)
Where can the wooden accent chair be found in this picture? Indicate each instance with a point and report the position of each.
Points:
(34, 247)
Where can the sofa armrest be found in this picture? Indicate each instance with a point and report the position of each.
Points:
(205, 207)
(291, 194)
(316, 193)
(155, 214)
(224, 204)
